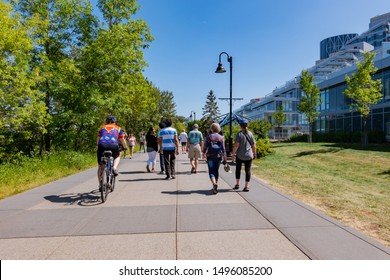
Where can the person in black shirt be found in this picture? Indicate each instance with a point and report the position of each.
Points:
(151, 148)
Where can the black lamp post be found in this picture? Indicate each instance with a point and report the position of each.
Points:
(193, 116)
(220, 69)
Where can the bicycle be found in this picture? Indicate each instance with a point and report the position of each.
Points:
(107, 181)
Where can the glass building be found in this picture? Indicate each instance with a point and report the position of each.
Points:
(333, 44)
(329, 75)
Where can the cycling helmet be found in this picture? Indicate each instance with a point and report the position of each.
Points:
(111, 119)
(243, 121)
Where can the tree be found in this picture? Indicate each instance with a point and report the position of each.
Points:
(210, 110)
(279, 118)
(61, 29)
(23, 114)
(363, 90)
(260, 128)
(112, 69)
(167, 105)
(89, 69)
(310, 100)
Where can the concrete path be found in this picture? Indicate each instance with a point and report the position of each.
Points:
(147, 218)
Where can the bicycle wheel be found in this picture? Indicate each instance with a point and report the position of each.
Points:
(112, 182)
(104, 189)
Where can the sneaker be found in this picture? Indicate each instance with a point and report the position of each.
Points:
(147, 168)
(173, 177)
(162, 172)
(215, 189)
(115, 171)
(168, 178)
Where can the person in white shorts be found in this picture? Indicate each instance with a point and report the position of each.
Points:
(195, 145)
(183, 140)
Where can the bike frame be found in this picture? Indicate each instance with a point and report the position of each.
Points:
(108, 178)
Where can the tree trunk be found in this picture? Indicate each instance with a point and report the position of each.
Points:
(365, 133)
(310, 136)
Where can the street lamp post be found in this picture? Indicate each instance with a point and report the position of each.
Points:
(220, 69)
(193, 116)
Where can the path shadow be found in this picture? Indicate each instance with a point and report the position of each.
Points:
(203, 192)
(82, 199)
(189, 172)
(321, 151)
(385, 173)
(384, 147)
(142, 179)
(132, 172)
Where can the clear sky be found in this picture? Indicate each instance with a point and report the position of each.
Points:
(270, 41)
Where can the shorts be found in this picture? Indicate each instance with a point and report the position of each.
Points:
(113, 148)
(194, 151)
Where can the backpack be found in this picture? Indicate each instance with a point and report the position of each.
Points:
(216, 148)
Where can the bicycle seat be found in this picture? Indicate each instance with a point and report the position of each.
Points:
(107, 153)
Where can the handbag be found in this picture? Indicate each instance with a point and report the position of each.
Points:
(247, 138)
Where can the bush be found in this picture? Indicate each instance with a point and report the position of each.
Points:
(263, 147)
(298, 138)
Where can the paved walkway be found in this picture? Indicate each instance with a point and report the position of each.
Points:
(147, 217)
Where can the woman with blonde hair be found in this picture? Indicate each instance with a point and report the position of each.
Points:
(214, 152)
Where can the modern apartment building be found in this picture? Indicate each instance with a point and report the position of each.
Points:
(340, 56)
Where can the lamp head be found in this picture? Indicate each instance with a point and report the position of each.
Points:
(220, 69)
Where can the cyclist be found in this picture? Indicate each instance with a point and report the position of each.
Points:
(107, 140)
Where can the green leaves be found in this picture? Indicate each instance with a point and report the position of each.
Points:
(62, 71)
(210, 109)
(362, 89)
(310, 99)
(23, 113)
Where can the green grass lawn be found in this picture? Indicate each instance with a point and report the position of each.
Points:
(30, 173)
(346, 182)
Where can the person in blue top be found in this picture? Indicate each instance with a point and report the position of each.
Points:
(169, 147)
(195, 146)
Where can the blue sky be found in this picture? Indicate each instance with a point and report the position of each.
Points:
(270, 41)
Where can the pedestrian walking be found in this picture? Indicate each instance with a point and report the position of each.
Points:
(161, 125)
(151, 148)
(132, 141)
(244, 151)
(214, 152)
(183, 140)
(121, 148)
(142, 141)
(169, 146)
(195, 147)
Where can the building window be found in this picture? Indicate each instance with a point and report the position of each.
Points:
(386, 88)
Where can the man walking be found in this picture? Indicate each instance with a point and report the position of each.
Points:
(162, 163)
(195, 143)
(169, 147)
